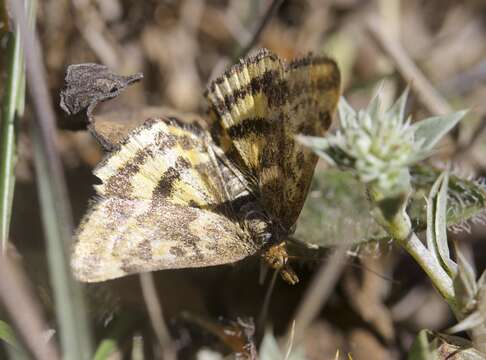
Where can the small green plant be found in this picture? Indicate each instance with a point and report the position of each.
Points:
(380, 148)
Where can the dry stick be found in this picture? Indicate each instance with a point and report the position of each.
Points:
(271, 11)
(478, 132)
(428, 95)
(92, 28)
(25, 313)
(156, 318)
(318, 291)
(262, 317)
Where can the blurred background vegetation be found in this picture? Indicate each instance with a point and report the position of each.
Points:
(382, 299)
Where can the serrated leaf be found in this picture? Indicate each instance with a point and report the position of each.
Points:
(432, 129)
(466, 198)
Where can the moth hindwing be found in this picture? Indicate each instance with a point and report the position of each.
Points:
(175, 196)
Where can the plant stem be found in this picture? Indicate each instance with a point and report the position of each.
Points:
(427, 262)
(401, 230)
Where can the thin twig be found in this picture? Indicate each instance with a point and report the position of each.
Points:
(290, 341)
(25, 313)
(478, 132)
(262, 317)
(264, 21)
(428, 95)
(319, 291)
(92, 28)
(156, 317)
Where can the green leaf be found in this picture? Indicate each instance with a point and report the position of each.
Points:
(337, 201)
(464, 283)
(346, 112)
(374, 106)
(466, 199)
(10, 104)
(319, 145)
(422, 349)
(441, 228)
(8, 335)
(431, 241)
(397, 110)
(336, 204)
(54, 203)
(470, 322)
(106, 348)
(432, 129)
(435, 346)
(118, 333)
(314, 142)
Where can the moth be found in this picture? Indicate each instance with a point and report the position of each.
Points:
(177, 195)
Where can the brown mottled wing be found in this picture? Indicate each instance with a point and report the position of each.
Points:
(261, 104)
(156, 209)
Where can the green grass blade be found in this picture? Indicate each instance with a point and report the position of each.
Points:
(118, 333)
(54, 201)
(12, 98)
(7, 335)
(12, 347)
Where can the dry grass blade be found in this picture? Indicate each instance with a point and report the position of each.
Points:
(156, 317)
(24, 311)
(428, 95)
(55, 206)
(269, 14)
(318, 292)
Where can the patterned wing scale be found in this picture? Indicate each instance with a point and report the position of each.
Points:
(241, 102)
(162, 158)
(314, 88)
(261, 104)
(156, 192)
(122, 236)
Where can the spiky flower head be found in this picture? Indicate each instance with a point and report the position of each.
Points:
(380, 145)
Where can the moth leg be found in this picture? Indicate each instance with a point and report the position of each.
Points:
(277, 258)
